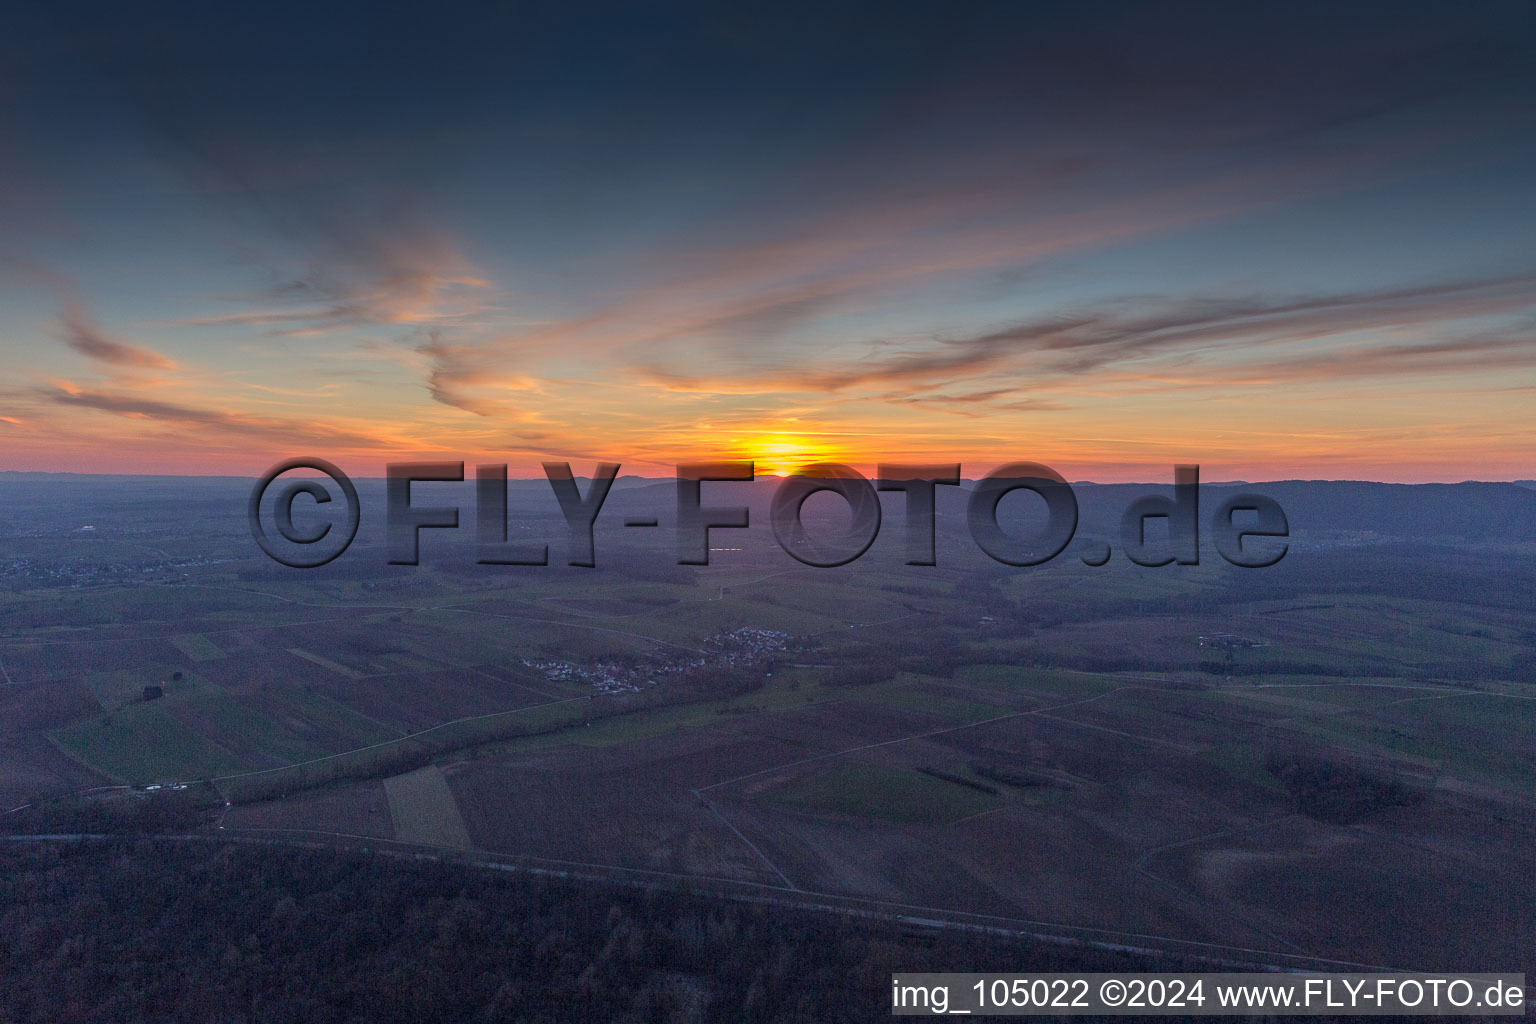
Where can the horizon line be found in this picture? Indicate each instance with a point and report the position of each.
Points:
(1527, 483)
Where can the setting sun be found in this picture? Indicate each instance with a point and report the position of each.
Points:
(780, 454)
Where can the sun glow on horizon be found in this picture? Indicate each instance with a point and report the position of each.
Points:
(780, 453)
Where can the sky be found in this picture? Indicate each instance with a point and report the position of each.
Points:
(1276, 240)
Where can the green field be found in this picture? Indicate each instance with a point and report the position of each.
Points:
(424, 810)
(927, 696)
(325, 663)
(143, 744)
(887, 793)
(116, 687)
(305, 711)
(197, 647)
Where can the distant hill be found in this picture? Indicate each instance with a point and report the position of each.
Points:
(1361, 510)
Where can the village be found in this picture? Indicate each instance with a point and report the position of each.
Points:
(745, 645)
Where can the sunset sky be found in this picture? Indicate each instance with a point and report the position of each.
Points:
(1275, 240)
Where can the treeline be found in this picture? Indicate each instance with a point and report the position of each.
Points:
(1280, 666)
(1339, 791)
(404, 754)
(933, 651)
(707, 683)
(1452, 673)
(419, 749)
(944, 660)
(158, 931)
(867, 673)
(1013, 777)
(160, 813)
(960, 780)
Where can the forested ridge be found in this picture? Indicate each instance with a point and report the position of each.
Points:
(133, 929)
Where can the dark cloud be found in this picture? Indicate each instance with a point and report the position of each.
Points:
(1076, 344)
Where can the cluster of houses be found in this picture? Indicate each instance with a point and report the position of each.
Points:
(744, 646)
(80, 574)
(70, 575)
(1228, 641)
(748, 642)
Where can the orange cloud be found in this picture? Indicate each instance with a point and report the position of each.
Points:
(82, 335)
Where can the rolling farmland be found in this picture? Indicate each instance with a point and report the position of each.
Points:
(1050, 745)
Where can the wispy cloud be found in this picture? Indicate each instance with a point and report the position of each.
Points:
(934, 228)
(457, 372)
(81, 334)
(1221, 333)
(388, 267)
(232, 428)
